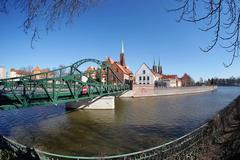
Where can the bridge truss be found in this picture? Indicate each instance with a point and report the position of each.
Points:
(66, 84)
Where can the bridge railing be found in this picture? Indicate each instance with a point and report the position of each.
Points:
(176, 149)
(66, 84)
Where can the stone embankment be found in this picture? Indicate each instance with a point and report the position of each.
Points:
(150, 90)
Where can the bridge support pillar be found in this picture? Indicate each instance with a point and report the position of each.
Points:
(106, 102)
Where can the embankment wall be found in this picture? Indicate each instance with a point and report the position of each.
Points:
(149, 91)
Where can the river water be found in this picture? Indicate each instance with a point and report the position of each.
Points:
(134, 125)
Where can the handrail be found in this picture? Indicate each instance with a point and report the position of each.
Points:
(52, 71)
(43, 154)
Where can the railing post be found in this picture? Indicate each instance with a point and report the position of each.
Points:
(107, 78)
(53, 91)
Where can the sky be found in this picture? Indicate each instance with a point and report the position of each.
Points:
(145, 26)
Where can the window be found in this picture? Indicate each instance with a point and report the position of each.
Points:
(147, 82)
(117, 69)
(148, 78)
(140, 78)
(143, 71)
(144, 78)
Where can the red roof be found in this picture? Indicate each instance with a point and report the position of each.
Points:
(169, 76)
(121, 68)
(20, 72)
(110, 60)
(37, 69)
(90, 68)
(124, 69)
(185, 76)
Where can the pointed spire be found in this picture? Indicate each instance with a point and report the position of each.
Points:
(154, 66)
(159, 67)
(122, 47)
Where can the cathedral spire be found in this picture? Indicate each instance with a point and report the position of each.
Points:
(159, 67)
(122, 51)
(154, 66)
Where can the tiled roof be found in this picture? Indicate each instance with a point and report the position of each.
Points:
(185, 76)
(20, 72)
(45, 70)
(169, 76)
(121, 68)
(37, 69)
(127, 70)
(90, 68)
(110, 60)
(124, 69)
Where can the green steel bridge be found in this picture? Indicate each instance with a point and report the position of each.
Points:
(66, 84)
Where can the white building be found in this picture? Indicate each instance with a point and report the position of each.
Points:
(171, 80)
(3, 73)
(13, 73)
(145, 75)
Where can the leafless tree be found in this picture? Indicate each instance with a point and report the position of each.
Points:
(220, 17)
(44, 14)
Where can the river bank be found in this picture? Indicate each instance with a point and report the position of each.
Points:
(151, 91)
(222, 138)
(208, 141)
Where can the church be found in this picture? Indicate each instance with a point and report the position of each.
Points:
(120, 68)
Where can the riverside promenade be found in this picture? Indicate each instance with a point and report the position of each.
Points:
(150, 91)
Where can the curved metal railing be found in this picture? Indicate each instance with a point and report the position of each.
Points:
(173, 149)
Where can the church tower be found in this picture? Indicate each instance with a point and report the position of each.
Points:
(155, 69)
(122, 58)
(159, 67)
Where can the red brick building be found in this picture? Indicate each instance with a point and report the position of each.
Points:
(120, 68)
(186, 80)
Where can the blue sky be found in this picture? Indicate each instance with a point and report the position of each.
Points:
(148, 31)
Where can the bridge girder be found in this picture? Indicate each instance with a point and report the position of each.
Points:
(65, 86)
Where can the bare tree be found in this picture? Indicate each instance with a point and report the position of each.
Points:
(220, 17)
(44, 14)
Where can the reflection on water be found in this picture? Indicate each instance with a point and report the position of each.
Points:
(135, 124)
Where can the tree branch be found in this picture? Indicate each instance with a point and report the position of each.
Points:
(220, 16)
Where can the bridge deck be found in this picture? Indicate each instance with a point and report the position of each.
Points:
(59, 86)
